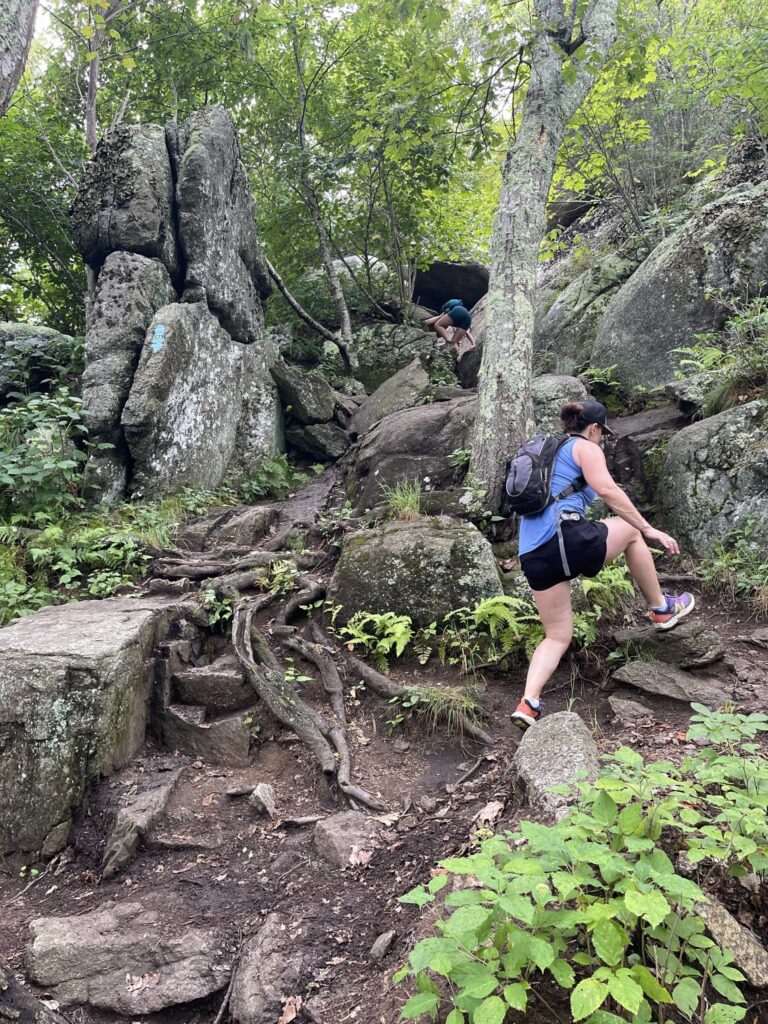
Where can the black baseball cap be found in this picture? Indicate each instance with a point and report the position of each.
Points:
(595, 412)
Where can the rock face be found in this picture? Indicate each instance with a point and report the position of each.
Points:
(130, 290)
(270, 969)
(423, 569)
(549, 392)
(553, 754)
(125, 958)
(408, 387)
(217, 227)
(179, 431)
(27, 353)
(722, 249)
(715, 478)
(180, 390)
(565, 333)
(415, 444)
(318, 440)
(126, 198)
(74, 685)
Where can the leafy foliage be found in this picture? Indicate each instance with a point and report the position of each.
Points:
(275, 479)
(594, 904)
(738, 568)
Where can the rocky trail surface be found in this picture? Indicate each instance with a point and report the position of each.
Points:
(224, 869)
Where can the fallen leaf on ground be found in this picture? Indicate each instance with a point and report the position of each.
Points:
(488, 814)
(360, 856)
(291, 1007)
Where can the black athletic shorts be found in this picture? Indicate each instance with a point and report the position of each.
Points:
(460, 317)
(585, 543)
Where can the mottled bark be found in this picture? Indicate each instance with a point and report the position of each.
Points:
(505, 413)
(17, 22)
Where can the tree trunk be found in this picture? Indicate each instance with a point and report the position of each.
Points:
(17, 22)
(505, 412)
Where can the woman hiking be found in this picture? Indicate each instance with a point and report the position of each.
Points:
(453, 313)
(550, 557)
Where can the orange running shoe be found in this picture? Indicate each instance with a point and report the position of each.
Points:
(678, 606)
(525, 715)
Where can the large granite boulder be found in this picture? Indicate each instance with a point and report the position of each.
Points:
(382, 349)
(715, 478)
(423, 569)
(129, 292)
(217, 226)
(408, 387)
(74, 686)
(29, 355)
(565, 332)
(323, 441)
(676, 293)
(127, 958)
(415, 444)
(549, 392)
(183, 415)
(308, 397)
(126, 198)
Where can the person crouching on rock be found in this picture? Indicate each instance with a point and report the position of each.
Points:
(556, 550)
(453, 313)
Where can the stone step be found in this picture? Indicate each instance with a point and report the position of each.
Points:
(220, 686)
(224, 741)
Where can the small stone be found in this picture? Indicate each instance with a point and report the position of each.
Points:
(338, 836)
(400, 746)
(748, 953)
(382, 945)
(427, 803)
(629, 711)
(263, 799)
(553, 753)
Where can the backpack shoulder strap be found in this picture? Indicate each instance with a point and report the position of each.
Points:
(578, 484)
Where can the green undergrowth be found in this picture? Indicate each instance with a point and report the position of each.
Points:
(589, 919)
(498, 630)
(737, 571)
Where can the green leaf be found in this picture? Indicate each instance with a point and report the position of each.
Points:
(563, 973)
(726, 988)
(625, 991)
(651, 906)
(587, 997)
(721, 1013)
(491, 1011)
(686, 996)
(516, 995)
(467, 919)
(650, 985)
(455, 1017)
(608, 941)
(541, 953)
(604, 809)
(630, 818)
(476, 980)
(421, 1003)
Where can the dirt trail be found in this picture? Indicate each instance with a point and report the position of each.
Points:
(214, 853)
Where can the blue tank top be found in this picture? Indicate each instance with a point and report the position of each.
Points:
(538, 529)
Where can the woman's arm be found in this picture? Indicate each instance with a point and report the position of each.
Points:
(591, 460)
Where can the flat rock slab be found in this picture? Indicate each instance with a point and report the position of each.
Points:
(270, 969)
(341, 836)
(691, 644)
(307, 397)
(134, 820)
(126, 958)
(553, 753)
(318, 440)
(74, 686)
(220, 686)
(668, 681)
(750, 955)
(627, 710)
(225, 741)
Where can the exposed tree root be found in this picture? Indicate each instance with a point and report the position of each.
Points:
(326, 740)
(383, 685)
(311, 591)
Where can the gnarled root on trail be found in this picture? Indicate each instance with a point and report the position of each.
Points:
(326, 740)
(383, 685)
(310, 591)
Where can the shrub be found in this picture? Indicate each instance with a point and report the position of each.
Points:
(738, 569)
(594, 904)
(275, 479)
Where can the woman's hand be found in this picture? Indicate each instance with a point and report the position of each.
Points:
(669, 544)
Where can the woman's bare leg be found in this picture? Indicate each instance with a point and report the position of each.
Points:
(459, 334)
(556, 615)
(432, 320)
(623, 538)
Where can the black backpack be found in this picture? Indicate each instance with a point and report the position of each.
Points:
(529, 475)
